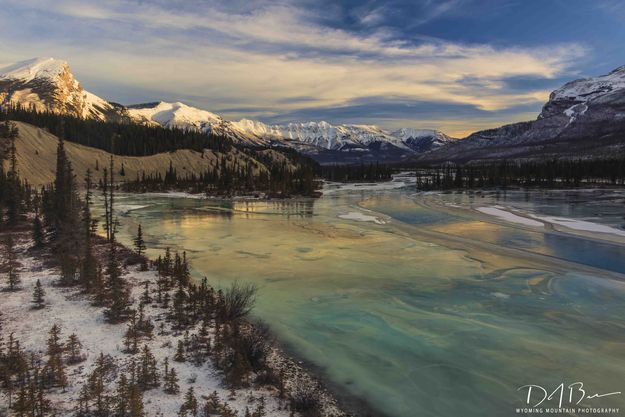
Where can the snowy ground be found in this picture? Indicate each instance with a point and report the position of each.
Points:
(70, 309)
(361, 217)
(505, 215)
(530, 219)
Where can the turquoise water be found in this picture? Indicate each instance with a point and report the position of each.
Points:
(414, 325)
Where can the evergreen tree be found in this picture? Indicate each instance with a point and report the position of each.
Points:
(38, 295)
(89, 264)
(171, 382)
(135, 401)
(147, 375)
(140, 248)
(13, 195)
(64, 219)
(105, 194)
(117, 292)
(11, 265)
(189, 406)
(121, 397)
(179, 356)
(38, 233)
(55, 369)
(131, 337)
(72, 348)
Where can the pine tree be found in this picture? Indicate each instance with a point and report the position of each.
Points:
(97, 387)
(105, 194)
(64, 217)
(179, 356)
(145, 297)
(55, 368)
(212, 405)
(38, 295)
(88, 267)
(131, 337)
(110, 200)
(189, 407)
(72, 348)
(14, 198)
(147, 376)
(38, 233)
(135, 401)
(11, 264)
(117, 292)
(121, 397)
(171, 382)
(140, 247)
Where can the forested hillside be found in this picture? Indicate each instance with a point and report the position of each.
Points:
(156, 159)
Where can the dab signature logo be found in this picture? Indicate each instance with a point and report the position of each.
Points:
(569, 398)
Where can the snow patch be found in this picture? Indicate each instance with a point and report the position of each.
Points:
(361, 217)
(581, 225)
(497, 211)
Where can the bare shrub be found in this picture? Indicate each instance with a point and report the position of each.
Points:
(238, 301)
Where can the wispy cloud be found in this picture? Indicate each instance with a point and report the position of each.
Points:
(273, 54)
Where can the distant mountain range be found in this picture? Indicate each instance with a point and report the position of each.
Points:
(48, 84)
(584, 118)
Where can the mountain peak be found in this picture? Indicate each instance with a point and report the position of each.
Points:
(41, 67)
(46, 83)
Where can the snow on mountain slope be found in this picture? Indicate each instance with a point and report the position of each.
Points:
(573, 98)
(422, 140)
(175, 115)
(48, 84)
(321, 134)
(588, 88)
(34, 68)
(181, 116)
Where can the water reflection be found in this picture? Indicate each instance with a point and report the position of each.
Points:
(415, 328)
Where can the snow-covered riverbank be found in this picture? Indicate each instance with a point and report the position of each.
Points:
(74, 313)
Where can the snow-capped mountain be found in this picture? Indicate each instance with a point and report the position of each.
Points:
(313, 138)
(573, 97)
(321, 134)
(48, 84)
(422, 140)
(583, 118)
(181, 116)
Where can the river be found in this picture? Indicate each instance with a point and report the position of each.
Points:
(417, 304)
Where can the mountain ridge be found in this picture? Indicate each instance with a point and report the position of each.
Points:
(48, 84)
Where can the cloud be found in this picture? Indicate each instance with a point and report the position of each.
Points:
(274, 55)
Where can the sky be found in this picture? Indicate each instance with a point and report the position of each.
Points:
(453, 65)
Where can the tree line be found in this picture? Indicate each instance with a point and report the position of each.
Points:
(549, 174)
(371, 172)
(120, 138)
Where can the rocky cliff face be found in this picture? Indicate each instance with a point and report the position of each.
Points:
(583, 118)
(48, 84)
